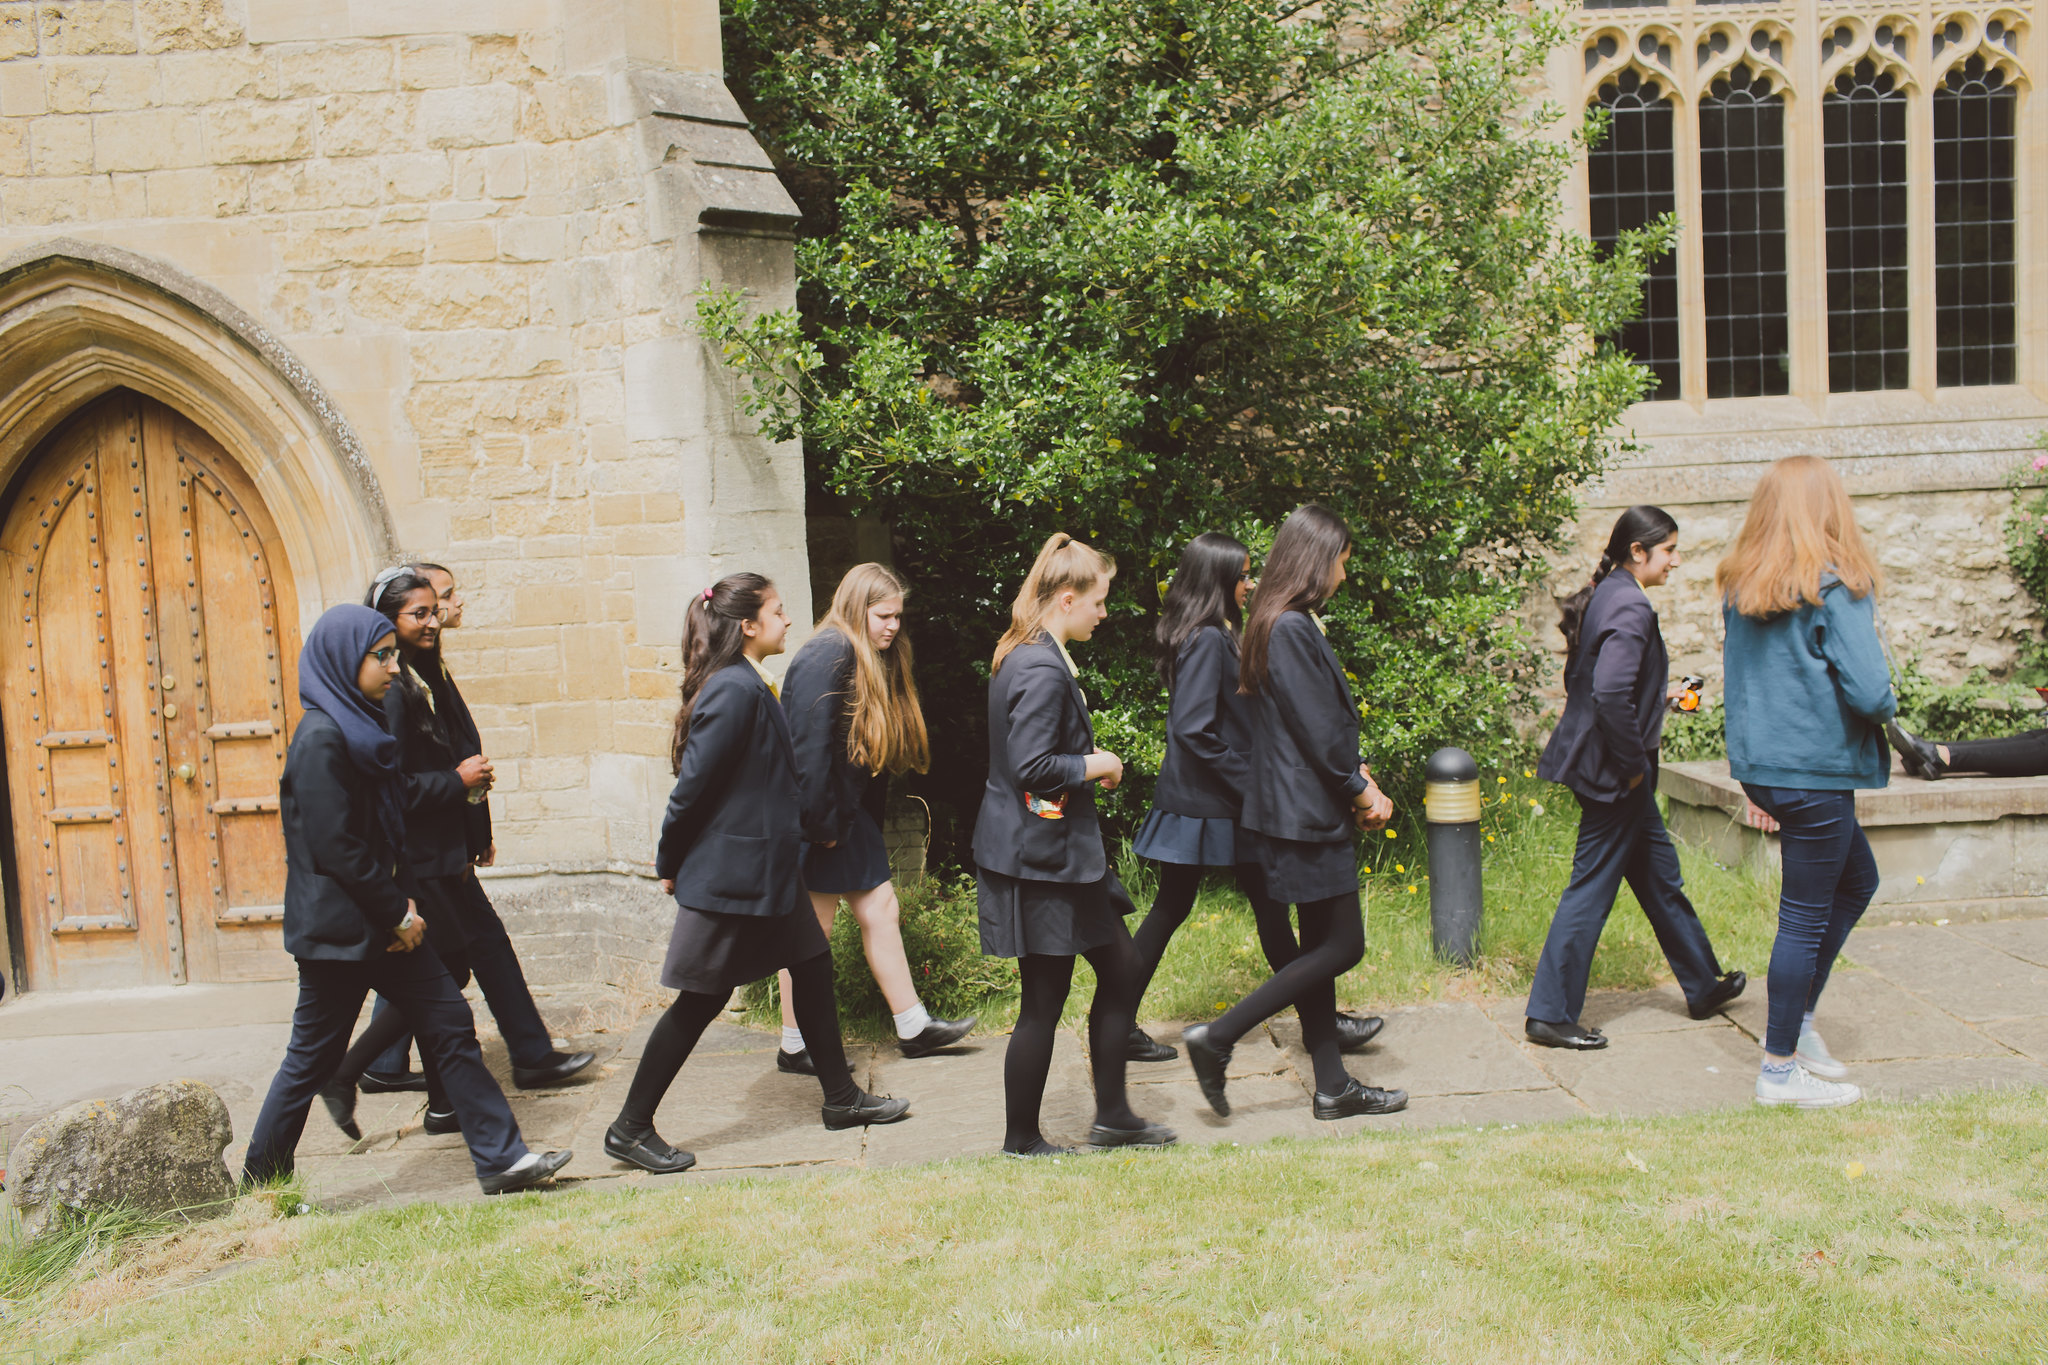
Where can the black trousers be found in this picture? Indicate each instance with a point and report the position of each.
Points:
(419, 987)
(498, 974)
(2021, 755)
(1620, 841)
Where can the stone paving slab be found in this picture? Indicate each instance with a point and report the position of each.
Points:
(1965, 976)
(1926, 1010)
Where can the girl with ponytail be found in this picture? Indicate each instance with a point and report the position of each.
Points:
(1306, 790)
(854, 718)
(730, 845)
(1044, 886)
(1616, 675)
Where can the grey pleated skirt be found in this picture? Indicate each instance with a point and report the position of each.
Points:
(1023, 918)
(711, 954)
(1296, 871)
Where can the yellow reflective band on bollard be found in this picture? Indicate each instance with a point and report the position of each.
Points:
(1451, 803)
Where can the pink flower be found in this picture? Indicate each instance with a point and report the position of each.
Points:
(2041, 462)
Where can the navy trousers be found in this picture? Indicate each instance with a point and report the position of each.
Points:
(1620, 841)
(495, 966)
(1830, 876)
(419, 987)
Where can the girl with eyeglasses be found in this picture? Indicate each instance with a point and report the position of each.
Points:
(1192, 824)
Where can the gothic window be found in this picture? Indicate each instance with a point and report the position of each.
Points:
(1864, 123)
(1974, 276)
(1630, 177)
(1742, 223)
(1622, 4)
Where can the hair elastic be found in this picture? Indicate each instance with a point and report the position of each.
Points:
(707, 594)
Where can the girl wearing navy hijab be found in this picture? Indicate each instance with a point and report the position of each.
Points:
(349, 914)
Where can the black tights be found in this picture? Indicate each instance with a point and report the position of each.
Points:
(1046, 981)
(1332, 942)
(684, 1022)
(2021, 755)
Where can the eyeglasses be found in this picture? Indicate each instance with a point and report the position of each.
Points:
(384, 655)
(422, 614)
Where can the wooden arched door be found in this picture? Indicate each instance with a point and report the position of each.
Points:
(149, 674)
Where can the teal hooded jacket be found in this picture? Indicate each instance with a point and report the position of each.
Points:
(1808, 694)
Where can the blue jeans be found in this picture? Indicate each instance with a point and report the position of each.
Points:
(1620, 840)
(1830, 876)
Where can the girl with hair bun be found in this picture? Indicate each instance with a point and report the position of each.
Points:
(854, 718)
(1306, 791)
(729, 851)
(1044, 887)
(1616, 675)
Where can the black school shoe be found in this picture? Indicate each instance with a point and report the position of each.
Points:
(649, 1153)
(866, 1111)
(1359, 1098)
(937, 1034)
(531, 1169)
(374, 1084)
(795, 1063)
(1211, 1063)
(559, 1067)
(1151, 1135)
(341, 1107)
(1922, 759)
(1719, 998)
(441, 1125)
(1354, 1031)
(1545, 1034)
(1143, 1047)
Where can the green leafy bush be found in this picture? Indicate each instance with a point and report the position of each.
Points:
(1136, 269)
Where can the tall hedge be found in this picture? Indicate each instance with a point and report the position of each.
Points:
(1135, 269)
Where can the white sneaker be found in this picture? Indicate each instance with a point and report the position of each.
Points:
(1813, 1054)
(1803, 1090)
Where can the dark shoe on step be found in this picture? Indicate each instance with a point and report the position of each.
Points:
(1922, 759)
(1564, 1035)
(1359, 1098)
(937, 1034)
(441, 1124)
(1151, 1135)
(341, 1107)
(1037, 1149)
(866, 1111)
(795, 1063)
(1719, 998)
(1211, 1064)
(1143, 1047)
(527, 1172)
(1354, 1031)
(649, 1153)
(374, 1084)
(559, 1067)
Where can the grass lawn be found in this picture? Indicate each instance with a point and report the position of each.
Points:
(1881, 1233)
(1215, 958)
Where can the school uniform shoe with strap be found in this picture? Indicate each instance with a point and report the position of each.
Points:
(1804, 1090)
(526, 1172)
(866, 1111)
(649, 1152)
(1359, 1098)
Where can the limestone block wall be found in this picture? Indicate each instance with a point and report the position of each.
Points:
(1928, 482)
(482, 224)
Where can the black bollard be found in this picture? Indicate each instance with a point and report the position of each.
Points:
(1451, 806)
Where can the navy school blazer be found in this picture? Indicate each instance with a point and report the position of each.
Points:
(1208, 732)
(1613, 695)
(816, 692)
(345, 886)
(1039, 740)
(1304, 756)
(732, 836)
(436, 802)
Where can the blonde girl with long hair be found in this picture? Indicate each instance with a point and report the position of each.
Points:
(854, 718)
(1044, 886)
(1809, 690)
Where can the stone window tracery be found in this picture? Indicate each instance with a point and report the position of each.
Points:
(1630, 182)
(1865, 131)
(1975, 279)
(1742, 228)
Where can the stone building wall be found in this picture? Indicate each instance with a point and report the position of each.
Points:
(481, 225)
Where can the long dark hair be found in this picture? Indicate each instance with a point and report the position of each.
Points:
(387, 595)
(390, 589)
(1642, 525)
(712, 639)
(1203, 593)
(1296, 578)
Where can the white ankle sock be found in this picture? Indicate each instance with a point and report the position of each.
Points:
(792, 1040)
(1806, 1022)
(913, 1021)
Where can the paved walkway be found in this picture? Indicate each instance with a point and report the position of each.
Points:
(1927, 1009)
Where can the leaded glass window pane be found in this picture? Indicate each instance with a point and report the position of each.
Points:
(1864, 120)
(1742, 224)
(1630, 176)
(1975, 327)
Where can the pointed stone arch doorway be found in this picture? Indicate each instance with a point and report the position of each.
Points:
(98, 345)
(149, 689)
